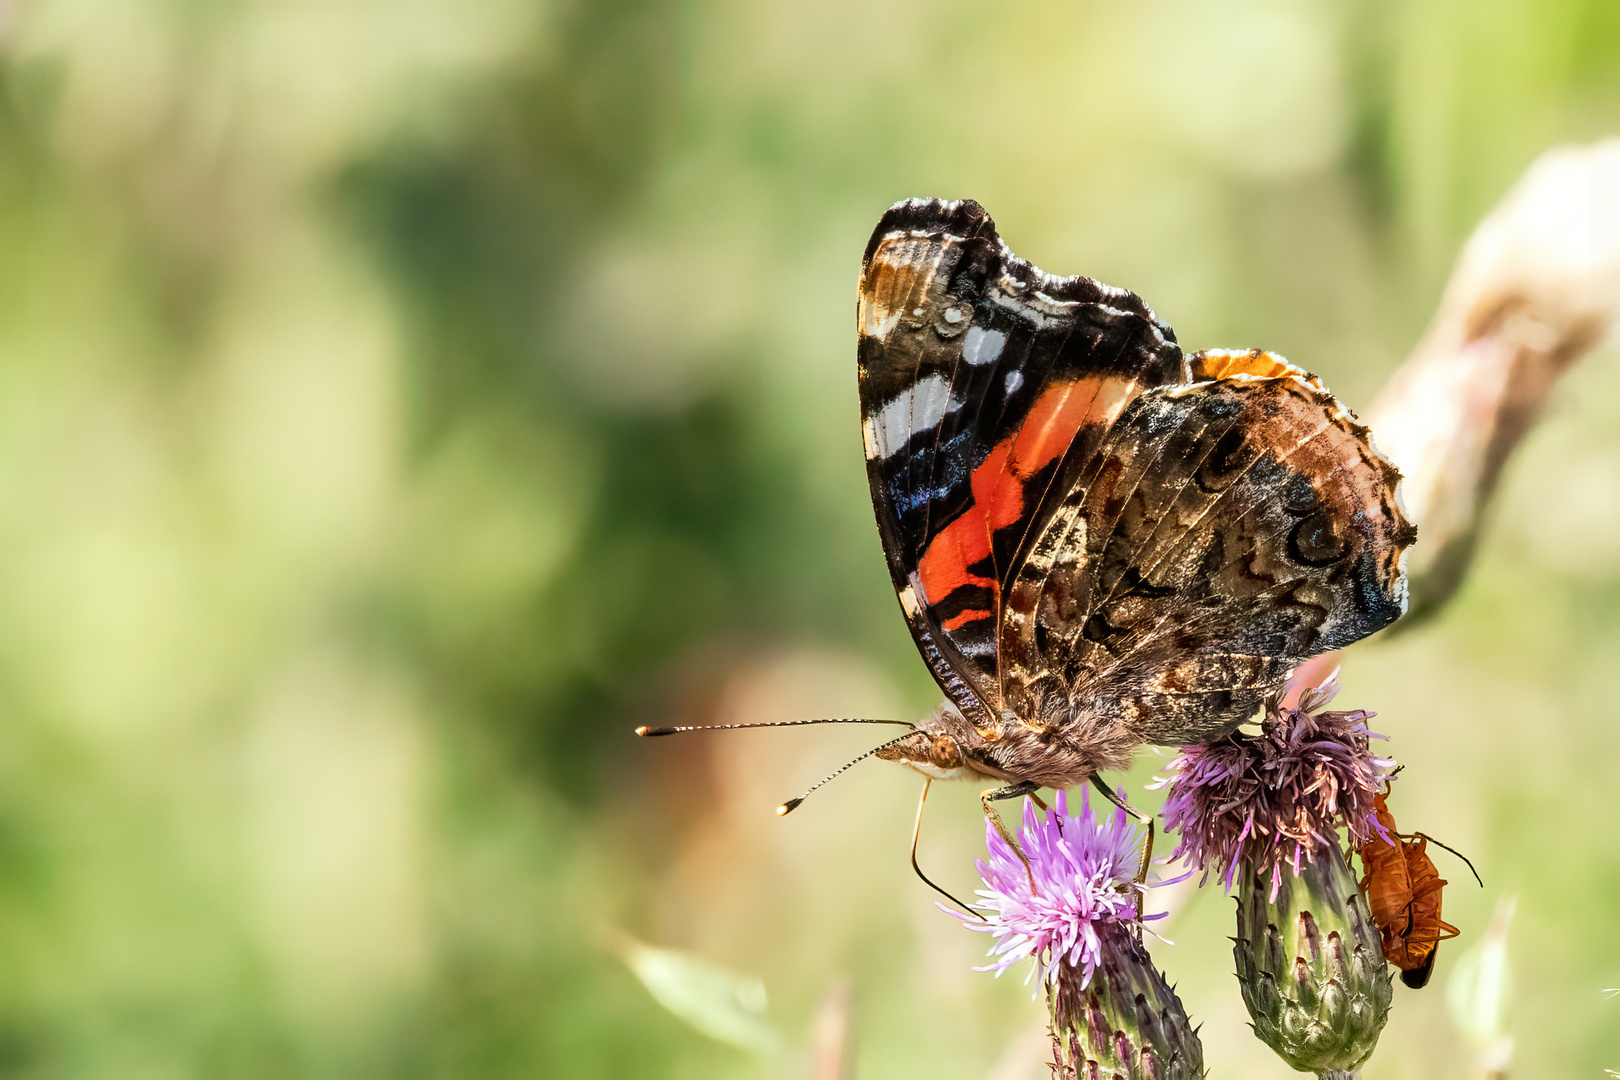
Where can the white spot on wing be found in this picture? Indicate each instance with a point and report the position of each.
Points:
(880, 322)
(918, 409)
(1015, 379)
(981, 346)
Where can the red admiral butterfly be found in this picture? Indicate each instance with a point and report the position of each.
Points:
(1097, 540)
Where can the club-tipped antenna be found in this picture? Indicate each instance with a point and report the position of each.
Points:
(793, 804)
(650, 730)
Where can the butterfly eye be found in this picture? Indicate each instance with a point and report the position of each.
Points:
(945, 754)
(1313, 542)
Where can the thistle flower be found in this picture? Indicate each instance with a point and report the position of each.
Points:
(1075, 913)
(1083, 873)
(1309, 961)
(1270, 800)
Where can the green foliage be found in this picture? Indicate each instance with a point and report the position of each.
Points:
(399, 402)
(721, 1004)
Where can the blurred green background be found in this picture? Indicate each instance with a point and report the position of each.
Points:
(400, 401)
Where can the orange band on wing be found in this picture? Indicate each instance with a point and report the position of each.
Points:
(963, 618)
(943, 567)
(998, 483)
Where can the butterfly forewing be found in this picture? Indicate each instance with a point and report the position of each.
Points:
(986, 385)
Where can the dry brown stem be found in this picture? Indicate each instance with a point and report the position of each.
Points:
(1537, 287)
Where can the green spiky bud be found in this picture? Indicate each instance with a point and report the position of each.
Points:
(1310, 964)
(1126, 1023)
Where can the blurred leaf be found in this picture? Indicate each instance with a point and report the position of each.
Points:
(721, 1004)
(1479, 989)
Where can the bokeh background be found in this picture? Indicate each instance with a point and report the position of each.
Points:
(400, 401)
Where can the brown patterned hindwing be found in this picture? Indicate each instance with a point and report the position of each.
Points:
(1228, 530)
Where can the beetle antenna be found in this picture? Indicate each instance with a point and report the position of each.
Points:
(1455, 852)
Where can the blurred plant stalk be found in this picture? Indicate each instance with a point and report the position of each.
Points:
(1536, 288)
(1479, 993)
(831, 1037)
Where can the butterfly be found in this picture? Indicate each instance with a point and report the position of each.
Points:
(1098, 541)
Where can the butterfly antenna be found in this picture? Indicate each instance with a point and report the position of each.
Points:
(652, 730)
(916, 831)
(793, 804)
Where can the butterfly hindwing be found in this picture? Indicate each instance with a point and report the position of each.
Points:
(1230, 529)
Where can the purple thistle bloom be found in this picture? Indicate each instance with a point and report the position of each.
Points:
(1084, 871)
(1275, 798)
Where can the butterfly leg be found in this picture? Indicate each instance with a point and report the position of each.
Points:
(1146, 819)
(1011, 791)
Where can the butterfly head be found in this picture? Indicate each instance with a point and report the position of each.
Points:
(943, 747)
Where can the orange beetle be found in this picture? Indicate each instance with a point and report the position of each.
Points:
(1403, 889)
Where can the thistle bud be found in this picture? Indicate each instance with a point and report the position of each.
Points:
(1125, 1023)
(1310, 966)
(1264, 813)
